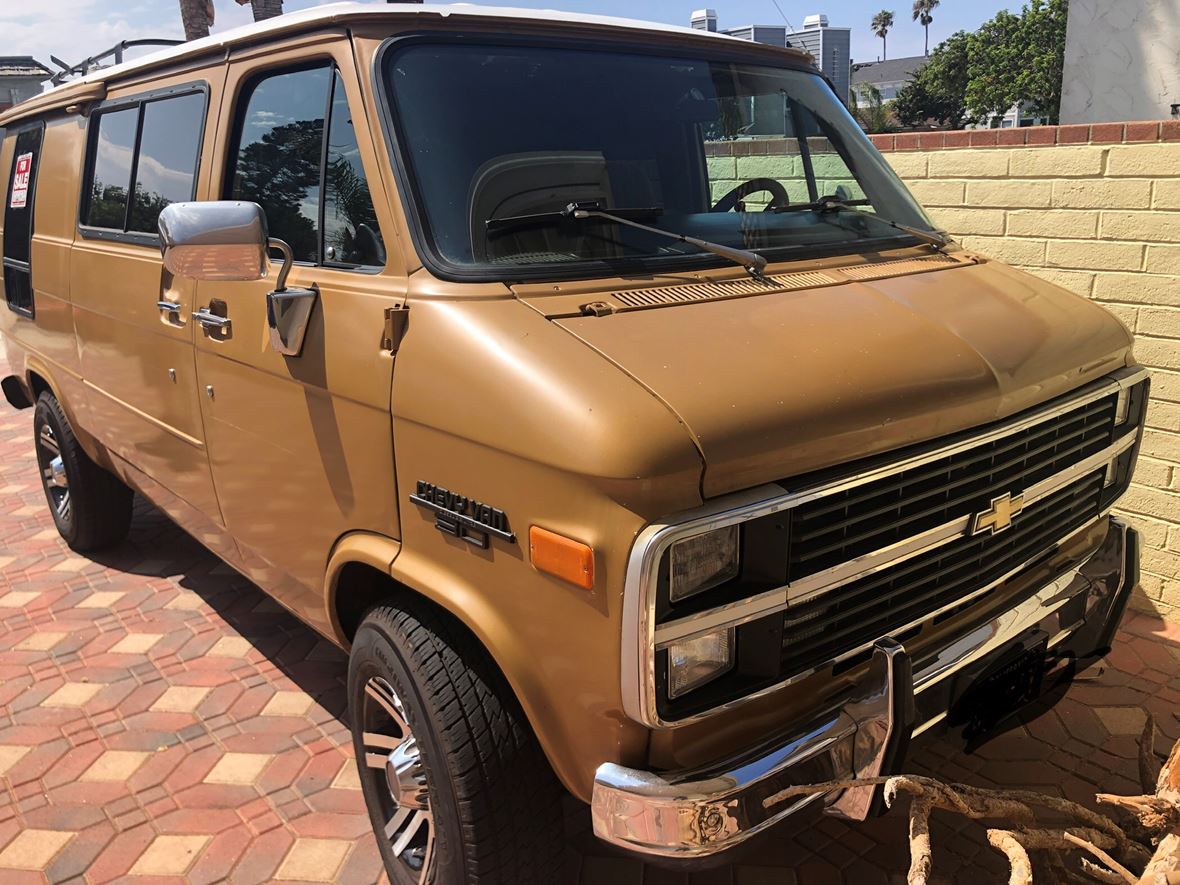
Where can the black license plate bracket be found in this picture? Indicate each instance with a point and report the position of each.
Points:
(1012, 679)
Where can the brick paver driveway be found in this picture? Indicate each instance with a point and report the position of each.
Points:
(162, 720)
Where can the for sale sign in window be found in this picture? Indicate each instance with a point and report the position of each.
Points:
(20, 181)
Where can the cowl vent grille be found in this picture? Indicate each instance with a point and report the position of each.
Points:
(714, 291)
(729, 289)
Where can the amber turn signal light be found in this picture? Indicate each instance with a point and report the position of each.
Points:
(562, 557)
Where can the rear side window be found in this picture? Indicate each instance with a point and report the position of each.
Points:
(18, 220)
(297, 157)
(143, 156)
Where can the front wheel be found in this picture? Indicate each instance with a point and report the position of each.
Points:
(457, 787)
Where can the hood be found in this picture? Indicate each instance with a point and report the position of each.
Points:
(779, 384)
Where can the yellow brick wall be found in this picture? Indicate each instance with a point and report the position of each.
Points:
(1103, 221)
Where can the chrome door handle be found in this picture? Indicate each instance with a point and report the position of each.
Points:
(168, 306)
(211, 321)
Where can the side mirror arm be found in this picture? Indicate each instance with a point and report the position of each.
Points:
(288, 311)
(288, 260)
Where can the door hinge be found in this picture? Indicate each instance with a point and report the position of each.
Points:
(396, 319)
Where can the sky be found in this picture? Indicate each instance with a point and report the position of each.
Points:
(75, 29)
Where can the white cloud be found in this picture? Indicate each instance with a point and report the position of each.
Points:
(75, 29)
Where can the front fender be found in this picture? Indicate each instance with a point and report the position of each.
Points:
(573, 738)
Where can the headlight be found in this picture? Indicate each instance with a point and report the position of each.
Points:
(695, 662)
(701, 563)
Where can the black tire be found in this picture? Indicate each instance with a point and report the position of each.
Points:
(494, 804)
(93, 509)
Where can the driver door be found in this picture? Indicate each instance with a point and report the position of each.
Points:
(301, 444)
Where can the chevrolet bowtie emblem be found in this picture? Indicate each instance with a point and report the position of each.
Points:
(999, 516)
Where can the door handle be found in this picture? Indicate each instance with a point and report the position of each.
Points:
(169, 313)
(211, 321)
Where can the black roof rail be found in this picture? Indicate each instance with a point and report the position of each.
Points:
(115, 51)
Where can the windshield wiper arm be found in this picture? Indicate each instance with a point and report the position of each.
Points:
(753, 263)
(832, 204)
(514, 222)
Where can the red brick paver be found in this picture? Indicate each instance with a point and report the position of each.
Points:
(161, 720)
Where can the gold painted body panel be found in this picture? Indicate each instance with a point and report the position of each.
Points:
(138, 362)
(301, 446)
(778, 385)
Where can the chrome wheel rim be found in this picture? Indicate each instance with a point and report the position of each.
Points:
(53, 472)
(393, 760)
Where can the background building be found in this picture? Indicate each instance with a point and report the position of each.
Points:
(1122, 61)
(889, 76)
(21, 77)
(831, 47)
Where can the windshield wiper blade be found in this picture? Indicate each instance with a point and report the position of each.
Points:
(753, 263)
(832, 204)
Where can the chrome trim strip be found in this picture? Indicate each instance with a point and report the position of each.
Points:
(698, 813)
(639, 633)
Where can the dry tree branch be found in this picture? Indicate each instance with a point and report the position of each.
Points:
(1148, 766)
(1100, 874)
(1018, 859)
(1156, 824)
(1112, 865)
(921, 859)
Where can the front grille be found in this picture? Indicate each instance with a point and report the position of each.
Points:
(864, 610)
(792, 616)
(835, 529)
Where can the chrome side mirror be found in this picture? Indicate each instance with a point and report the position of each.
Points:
(221, 241)
(226, 241)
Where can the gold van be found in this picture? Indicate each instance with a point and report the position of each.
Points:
(596, 384)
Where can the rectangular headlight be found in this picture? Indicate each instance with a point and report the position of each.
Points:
(696, 662)
(703, 562)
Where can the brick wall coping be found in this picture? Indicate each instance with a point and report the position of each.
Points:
(1082, 133)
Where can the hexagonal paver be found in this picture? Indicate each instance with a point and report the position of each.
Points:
(33, 849)
(169, 856)
(238, 768)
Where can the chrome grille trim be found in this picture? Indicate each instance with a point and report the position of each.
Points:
(820, 583)
(641, 637)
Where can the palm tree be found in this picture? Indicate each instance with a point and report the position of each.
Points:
(264, 9)
(882, 22)
(196, 16)
(922, 13)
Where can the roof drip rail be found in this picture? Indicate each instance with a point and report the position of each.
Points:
(86, 65)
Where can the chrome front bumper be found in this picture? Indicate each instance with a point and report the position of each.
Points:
(699, 813)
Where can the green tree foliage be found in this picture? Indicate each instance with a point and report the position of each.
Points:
(938, 93)
(281, 173)
(1019, 58)
(882, 22)
(1012, 58)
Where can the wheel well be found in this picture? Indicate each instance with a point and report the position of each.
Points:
(38, 385)
(359, 587)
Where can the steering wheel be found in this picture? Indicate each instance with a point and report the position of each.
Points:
(778, 194)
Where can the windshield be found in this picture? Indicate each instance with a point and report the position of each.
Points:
(711, 150)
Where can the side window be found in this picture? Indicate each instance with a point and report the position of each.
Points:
(280, 149)
(18, 220)
(297, 157)
(114, 150)
(142, 157)
(169, 147)
(351, 235)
